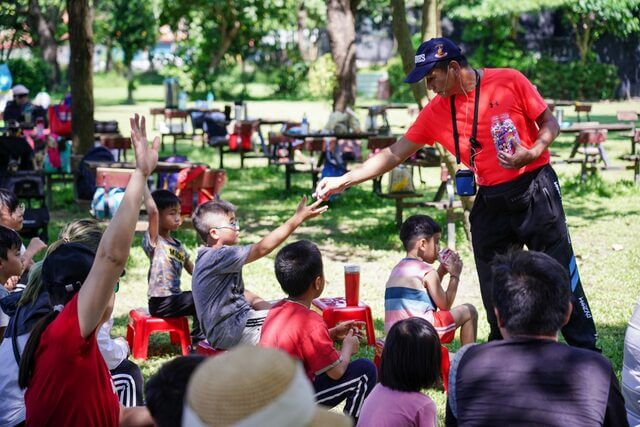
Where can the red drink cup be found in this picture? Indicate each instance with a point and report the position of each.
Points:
(352, 284)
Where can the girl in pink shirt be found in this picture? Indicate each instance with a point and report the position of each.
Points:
(410, 363)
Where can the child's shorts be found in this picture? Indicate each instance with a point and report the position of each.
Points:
(445, 325)
(253, 327)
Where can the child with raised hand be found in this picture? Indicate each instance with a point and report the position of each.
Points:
(168, 257)
(66, 377)
(228, 313)
(410, 364)
(414, 287)
(293, 327)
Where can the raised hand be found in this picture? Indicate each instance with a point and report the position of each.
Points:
(146, 156)
(305, 212)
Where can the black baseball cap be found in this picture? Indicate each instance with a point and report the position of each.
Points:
(429, 54)
(65, 269)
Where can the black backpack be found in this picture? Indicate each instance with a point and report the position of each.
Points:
(85, 176)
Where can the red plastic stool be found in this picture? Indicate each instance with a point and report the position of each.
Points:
(335, 310)
(445, 363)
(205, 349)
(142, 324)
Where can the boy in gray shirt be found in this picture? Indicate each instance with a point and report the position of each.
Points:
(229, 314)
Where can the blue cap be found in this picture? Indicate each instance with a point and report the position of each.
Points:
(429, 54)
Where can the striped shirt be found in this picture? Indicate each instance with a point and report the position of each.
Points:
(405, 295)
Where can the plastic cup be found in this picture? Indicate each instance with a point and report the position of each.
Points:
(352, 284)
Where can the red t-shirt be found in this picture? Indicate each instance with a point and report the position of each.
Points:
(302, 333)
(503, 91)
(70, 384)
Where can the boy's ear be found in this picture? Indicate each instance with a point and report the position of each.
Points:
(317, 283)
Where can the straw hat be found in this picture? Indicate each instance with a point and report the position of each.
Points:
(254, 386)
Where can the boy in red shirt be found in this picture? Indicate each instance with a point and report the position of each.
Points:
(292, 326)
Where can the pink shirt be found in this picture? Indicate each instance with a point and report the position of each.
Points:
(390, 408)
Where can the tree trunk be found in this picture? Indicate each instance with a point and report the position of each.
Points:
(81, 74)
(431, 21)
(303, 41)
(403, 38)
(129, 82)
(342, 38)
(46, 42)
(109, 60)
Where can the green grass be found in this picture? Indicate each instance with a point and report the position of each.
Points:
(358, 228)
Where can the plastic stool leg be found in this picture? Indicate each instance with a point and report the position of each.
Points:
(140, 340)
(175, 337)
(130, 333)
(185, 337)
(371, 335)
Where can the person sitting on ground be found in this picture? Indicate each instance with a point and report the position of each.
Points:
(228, 313)
(166, 389)
(168, 257)
(12, 216)
(11, 267)
(414, 287)
(253, 386)
(529, 378)
(410, 364)
(25, 308)
(292, 326)
(65, 375)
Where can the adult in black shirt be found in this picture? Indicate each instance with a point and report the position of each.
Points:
(529, 378)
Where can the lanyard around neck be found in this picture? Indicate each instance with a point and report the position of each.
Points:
(474, 130)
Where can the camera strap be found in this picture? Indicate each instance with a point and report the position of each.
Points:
(474, 130)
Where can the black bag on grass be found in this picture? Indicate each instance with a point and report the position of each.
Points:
(85, 176)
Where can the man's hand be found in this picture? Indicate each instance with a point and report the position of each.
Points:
(520, 158)
(305, 212)
(146, 156)
(340, 331)
(328, 186)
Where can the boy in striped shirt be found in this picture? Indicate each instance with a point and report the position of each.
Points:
(414, 287)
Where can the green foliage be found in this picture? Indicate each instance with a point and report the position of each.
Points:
(495, 44)
(480, 10)
(574, 80)
(322, 77)
(132, 26)
(32, 73)
(400, 91)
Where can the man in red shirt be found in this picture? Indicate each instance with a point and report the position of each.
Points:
(498, 125)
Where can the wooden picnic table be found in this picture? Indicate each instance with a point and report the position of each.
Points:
(316, 144)
(162, 167)
(614, 127)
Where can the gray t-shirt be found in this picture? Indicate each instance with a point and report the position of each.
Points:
(218, 293)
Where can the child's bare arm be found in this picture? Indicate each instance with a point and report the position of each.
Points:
(35, 246)
(188, 265)
(280, 234)
(113, 251)
(153, 214)
(350, 346)
(433, 282)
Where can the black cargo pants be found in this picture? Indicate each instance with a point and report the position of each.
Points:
(528, 211)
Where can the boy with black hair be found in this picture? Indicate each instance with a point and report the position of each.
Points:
(529, 378)
(230, 314)
(166, 389)
(414, 287)
(11, 267)
(292, 326)
(167, 256)
(12, 216)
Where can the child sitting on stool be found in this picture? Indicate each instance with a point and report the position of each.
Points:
(168, 257)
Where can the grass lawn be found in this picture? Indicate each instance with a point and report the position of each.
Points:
(603, 218)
